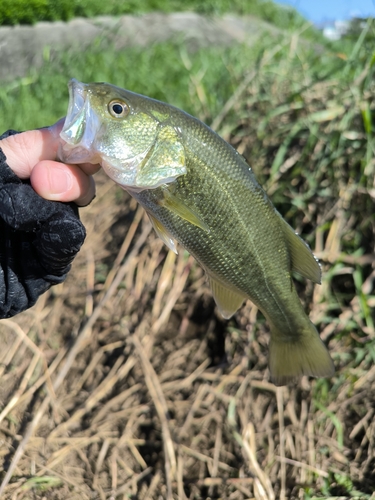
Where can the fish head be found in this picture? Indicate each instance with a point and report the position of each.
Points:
(129, 135)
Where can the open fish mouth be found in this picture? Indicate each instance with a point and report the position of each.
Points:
(74, 125)
(80, 127)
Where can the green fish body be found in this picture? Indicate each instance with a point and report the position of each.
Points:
(200, 192)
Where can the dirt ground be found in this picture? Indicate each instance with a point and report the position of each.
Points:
(124, 382)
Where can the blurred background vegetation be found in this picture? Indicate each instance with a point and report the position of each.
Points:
(300, 109)
(31, 11)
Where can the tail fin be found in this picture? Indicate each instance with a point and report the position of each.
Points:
(306, 355)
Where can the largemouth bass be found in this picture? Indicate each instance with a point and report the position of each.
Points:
(199, 191)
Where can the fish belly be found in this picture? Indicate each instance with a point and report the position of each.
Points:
(243, 246)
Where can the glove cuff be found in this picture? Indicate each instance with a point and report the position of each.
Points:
(6, 173)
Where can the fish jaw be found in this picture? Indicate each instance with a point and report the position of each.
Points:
(137, 151)
(80, 128)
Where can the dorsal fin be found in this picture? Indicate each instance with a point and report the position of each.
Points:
(303, 260)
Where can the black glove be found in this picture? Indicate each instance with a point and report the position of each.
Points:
(38, 241)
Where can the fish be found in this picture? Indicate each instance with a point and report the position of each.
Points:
(200, 192)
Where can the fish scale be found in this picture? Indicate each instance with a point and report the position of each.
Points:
(200, 192)
(228, 252)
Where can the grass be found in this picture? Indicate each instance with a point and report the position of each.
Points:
(175, 77)
(123, 382)
(30, 11)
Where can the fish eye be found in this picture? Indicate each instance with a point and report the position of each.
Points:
(118, 109)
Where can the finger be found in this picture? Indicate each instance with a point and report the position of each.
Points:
(23, 151)
(26, 149)
(89, 168)
(60, 182)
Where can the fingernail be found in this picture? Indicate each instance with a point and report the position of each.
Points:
(60, 180)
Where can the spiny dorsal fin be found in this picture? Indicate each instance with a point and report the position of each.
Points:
(303, 260)
(227, 301)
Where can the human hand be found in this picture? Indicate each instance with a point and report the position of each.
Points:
(39, 238)
(32, 154)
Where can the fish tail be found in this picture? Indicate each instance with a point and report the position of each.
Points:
(304, 355)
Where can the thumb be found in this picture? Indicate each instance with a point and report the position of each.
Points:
(26, 149)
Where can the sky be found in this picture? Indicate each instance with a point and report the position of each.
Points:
(321, 11)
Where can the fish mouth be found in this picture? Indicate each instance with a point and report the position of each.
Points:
(80, 127)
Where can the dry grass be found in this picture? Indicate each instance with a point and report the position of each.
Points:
(120, 388)
(124, 383)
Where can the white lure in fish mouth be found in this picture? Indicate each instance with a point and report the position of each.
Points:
(80, 127)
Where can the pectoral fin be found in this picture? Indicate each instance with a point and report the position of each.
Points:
(163, 233)
(177, 206)
(227, 301)
(303, 260)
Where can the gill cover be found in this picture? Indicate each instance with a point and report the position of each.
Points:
(137, 149)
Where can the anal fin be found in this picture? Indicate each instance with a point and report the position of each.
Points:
(227, 301)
